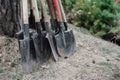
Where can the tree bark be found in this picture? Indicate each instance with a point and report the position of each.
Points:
(9, 17)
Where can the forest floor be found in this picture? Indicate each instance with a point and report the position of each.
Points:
(94, 59)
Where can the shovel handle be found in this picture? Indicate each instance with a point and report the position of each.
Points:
(62, 11)
(57, 10)
(34, 7)
(63, 14)
(53, 16)
(51, 9)
(44, 12)
(25, 11)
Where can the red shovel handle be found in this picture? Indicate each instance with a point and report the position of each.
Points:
(57, 10)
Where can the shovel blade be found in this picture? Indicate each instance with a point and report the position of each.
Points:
(36, 45)
(42, 54)
(27, 67)
(52, 45)
(70, 43)
(46, 51)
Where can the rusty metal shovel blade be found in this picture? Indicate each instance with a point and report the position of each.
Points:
(70, 43)
(65, 41)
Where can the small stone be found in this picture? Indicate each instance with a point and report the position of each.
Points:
(88, 65)
(93, 62)
(12, 64)
(45, 66)
(108, 59)
(88, 48)
(1, 55)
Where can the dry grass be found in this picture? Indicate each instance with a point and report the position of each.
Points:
(94, 59)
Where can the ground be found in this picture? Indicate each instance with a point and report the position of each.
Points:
(94, 59)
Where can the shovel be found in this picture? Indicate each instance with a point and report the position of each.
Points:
(73, 45)
(65, 40)
(50, 34)
(42, 47)
(25, 40)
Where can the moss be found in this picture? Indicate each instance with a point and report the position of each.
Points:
(1, 71)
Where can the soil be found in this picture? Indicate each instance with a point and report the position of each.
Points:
(94, 59)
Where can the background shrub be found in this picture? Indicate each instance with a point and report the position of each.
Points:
(98, 16)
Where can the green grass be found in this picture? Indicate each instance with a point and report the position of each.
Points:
(118, 55)
(107, 64)
(109, 51)
(13, 76)
(1, 71)
(106, 50)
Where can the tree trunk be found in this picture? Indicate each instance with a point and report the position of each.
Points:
(9, 17)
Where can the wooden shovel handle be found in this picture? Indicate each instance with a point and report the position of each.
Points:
(51, 9)
(44, 11)
(57, 10)
(63, 15)
(25, 11)
(62, 11)
(34, 7)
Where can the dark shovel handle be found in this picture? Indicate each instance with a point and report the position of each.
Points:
(53, 16)
(31, 16)
(32, 20)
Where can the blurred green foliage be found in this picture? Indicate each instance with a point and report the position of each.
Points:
(98, 16)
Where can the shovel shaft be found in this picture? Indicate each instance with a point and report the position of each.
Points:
(53, 16)
(45, 16)
(62, 11)
(34, 7)
(25, 19)
(63, 14)
(25, 11)
(51, 9)
(57, 10)
(44, 12)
